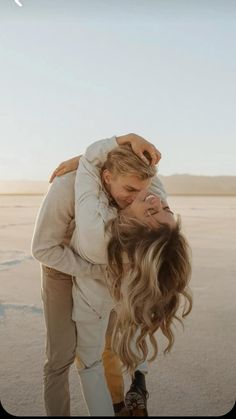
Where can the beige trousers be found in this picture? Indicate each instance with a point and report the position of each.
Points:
(92, 317)
(61, 343)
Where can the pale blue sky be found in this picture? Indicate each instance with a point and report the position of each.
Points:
(75, 71)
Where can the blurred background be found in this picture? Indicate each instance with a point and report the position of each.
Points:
(75, 71)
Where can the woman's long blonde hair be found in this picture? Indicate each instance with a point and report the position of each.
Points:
(148, 290)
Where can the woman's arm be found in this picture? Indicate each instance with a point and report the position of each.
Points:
(96, 155)
(97, 152)
(92, 211)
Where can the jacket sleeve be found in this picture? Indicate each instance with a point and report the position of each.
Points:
(92, 210)
(96, 154)
(157, 188)
(53, 219)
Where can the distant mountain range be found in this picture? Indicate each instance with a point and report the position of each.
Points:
(199, 185)
(174, 185)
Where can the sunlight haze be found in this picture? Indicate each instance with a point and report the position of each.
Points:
(73, 72)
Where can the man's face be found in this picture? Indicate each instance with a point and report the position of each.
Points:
(124, 188)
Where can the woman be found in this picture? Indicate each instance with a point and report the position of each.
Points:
(148, 264)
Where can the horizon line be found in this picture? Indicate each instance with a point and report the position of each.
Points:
(169, 194)
(159, 174)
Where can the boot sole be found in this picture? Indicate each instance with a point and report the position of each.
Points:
(135, 401)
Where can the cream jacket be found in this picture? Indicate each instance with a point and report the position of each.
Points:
(68, 246)
(92, 211)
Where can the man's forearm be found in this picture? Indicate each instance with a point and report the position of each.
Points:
(64, 259)
(56, 214)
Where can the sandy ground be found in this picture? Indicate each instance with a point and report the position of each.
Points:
(199, 376)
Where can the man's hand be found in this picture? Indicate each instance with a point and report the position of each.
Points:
(139, 145)
(65, 167)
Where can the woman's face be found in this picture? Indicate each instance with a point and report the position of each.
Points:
(151, 210)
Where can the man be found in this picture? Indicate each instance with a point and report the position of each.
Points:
(54, 228)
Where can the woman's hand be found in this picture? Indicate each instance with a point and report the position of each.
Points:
(139, 146)
(65, 167)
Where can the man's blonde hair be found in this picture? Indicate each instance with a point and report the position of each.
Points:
(123, 161)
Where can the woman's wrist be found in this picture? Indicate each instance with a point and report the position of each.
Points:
(124, 139)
